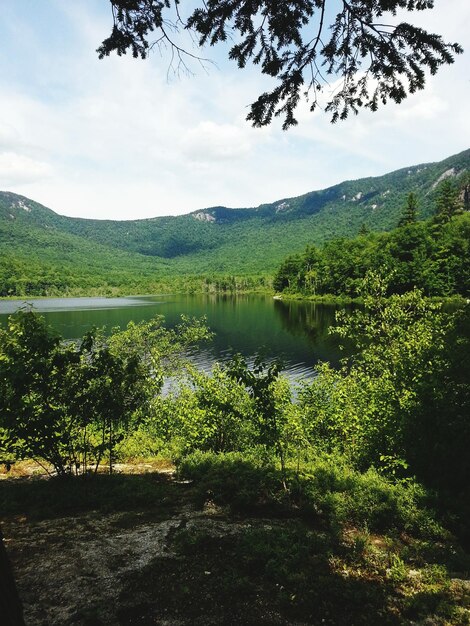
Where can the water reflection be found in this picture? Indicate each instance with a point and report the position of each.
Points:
(297, 332)
(312, 321)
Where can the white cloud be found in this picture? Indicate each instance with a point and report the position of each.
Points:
(16, 169)
(9, 137)
(209, 141)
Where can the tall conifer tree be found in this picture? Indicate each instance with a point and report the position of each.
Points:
(410, 211)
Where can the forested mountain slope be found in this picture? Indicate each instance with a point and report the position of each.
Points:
(215, 240)
(433, 255)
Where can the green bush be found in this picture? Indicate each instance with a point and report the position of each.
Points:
(241, 481)
(343, 495)
(326, 489)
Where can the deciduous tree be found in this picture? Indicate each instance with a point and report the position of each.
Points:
(69, 403)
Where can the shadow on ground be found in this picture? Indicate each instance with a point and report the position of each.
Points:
(151, 549)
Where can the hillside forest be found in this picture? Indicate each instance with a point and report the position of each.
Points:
(431, 255)
(217, 249)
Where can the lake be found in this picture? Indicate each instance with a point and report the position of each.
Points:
(295, 331)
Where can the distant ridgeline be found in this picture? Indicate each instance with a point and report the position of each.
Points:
(214, 249)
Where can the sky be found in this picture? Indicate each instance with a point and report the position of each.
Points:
(122, 138)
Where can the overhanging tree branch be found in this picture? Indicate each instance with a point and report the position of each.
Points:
(378, 61)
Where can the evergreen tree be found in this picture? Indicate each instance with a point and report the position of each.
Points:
(300, 43)
(410, 211)
(447, 202)
(466, 192)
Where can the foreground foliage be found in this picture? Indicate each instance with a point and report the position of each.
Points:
(69, 403)
(400, 403)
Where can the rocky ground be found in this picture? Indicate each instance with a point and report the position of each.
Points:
(77, 570)
(80, 569)
(140, 550)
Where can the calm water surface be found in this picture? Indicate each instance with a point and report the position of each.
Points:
(295, 331)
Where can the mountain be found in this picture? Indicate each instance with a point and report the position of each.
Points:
(215, 240)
